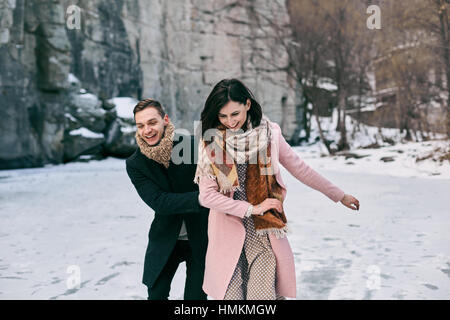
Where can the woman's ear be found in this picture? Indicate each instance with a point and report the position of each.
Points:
(248, 105)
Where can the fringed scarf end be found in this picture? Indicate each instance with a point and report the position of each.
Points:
(228, 190)
(224, 190)
(209, 176)
(279, 233)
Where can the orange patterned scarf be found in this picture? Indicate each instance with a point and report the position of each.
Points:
(218, 159)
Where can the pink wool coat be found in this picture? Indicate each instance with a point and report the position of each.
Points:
(226, 232)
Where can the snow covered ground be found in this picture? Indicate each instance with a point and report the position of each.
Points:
(400, 160)
(85, 221)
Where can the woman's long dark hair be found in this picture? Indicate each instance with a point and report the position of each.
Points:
(223, 92)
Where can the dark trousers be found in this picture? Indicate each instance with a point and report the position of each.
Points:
(194, 275)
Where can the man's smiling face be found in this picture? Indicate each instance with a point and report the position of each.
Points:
(150, 125)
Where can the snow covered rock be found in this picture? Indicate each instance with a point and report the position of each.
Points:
(82, 141)
(87, 109)
(124, 108)
(120, 141)
(98, 126)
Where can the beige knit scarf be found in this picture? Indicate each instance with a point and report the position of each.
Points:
(161, 152)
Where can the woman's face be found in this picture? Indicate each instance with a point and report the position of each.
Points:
(234, 114)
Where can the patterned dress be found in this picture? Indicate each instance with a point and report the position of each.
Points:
(255, 275)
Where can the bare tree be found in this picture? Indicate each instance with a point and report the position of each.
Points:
(349, 43)
(442, 8)
(328, 40)
(306, 58)
(428, 22)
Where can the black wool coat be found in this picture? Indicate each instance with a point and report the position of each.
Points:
(173, 196)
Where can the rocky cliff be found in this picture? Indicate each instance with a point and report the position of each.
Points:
(173, 51)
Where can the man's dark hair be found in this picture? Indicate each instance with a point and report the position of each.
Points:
(149, 103)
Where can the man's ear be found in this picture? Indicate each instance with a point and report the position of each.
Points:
(166, 119)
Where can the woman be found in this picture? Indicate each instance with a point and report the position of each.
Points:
(248, 255)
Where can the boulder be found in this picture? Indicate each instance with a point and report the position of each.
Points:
(82, 141)
(120, 141)
(87, 109)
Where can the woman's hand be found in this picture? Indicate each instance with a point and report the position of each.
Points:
(350, 201)
(267, 204)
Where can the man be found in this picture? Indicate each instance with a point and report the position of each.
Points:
(179, 229)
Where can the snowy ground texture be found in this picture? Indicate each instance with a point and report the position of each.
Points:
(87, 217)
